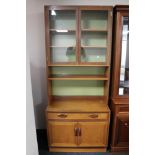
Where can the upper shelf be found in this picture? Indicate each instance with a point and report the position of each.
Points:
(81, 46)
(78, 65)
(94, 30)
(62, 30)
(93, 46)
(78, 77)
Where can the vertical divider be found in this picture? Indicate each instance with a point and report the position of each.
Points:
(48, 55)
(109, 40)
(79, 34)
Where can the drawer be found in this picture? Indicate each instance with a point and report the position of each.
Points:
(77, 116)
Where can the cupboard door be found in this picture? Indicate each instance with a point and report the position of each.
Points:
(93, 134)
(62, 134)
(94, 36)
(62, 35)
(122, 132)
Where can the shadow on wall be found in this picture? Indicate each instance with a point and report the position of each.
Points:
(39, 91)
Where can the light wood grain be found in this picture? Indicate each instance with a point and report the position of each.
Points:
(62, 134)
(78, 116)
(93, 134)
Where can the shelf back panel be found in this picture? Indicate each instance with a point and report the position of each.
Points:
(77, 71)
(77, 88)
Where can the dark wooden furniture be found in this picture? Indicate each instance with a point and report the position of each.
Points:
(119, 100)
(78, 54)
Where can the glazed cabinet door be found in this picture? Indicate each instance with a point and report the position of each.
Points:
(122, 132)
(61, 35)
(94, 28)
(93, 134)
(62, 134)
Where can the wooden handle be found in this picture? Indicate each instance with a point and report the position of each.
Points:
(76, 131)
(93, 115)
(79, 132)
(62, 115)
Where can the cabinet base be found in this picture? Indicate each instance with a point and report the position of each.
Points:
(119, 149)
(77, 149)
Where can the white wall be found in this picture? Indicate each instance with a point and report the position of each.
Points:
(31, 140)
(36, 44)
(85, 2)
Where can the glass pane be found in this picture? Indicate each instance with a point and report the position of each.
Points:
(62, 19)
(93, 54)
(60, 39)
(93, 36)
(94, 39)
(63, 47)
(93, 19)
(124, 68)
(62, 36)
(77, 88)
(63, 54)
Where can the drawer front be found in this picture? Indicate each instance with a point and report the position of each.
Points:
(77, 116)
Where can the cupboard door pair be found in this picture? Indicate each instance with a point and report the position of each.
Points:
(82, 134)
(78, 35)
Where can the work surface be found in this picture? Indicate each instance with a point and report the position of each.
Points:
(72, 105)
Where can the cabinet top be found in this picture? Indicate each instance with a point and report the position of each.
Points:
(55, 7)
(121, 8)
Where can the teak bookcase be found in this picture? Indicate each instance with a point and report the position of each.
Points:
(78, 54)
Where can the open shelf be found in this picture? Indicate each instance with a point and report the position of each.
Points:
(62, 30)
(93, 46)
(72, 104)
(78, 77)
(82, 65)
(62, 46)
(94, 30)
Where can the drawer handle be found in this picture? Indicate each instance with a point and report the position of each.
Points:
(76, 131)
(79, 132)
(93, 115)
(62, 115)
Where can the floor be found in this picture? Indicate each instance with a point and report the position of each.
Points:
(43, 147)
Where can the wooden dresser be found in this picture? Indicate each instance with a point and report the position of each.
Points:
(78, 54)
